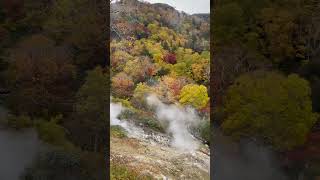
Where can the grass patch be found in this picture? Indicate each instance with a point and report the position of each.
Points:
(124, 102)
(118, 131)
(121, 172)
(141, 117)
(151, 123)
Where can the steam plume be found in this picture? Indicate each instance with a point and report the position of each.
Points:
(115, 111)
(18, 149)
(247, 160)
(178, 119)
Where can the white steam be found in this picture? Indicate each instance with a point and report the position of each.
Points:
(178, 119)
(115, 111)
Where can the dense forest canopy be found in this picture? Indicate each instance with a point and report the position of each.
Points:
(157, 49)
(266, 79)
(54, 79)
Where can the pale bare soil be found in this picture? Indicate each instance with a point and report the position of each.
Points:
(153, 156)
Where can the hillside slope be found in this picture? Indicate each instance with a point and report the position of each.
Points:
(159, 79)
(152, 156)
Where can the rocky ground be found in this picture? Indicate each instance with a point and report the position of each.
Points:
(151, 154)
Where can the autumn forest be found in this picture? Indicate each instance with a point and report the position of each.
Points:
(129, 89)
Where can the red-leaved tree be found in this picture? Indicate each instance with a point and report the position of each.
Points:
(170, 58)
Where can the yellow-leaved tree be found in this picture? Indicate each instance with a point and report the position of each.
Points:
(194, 95)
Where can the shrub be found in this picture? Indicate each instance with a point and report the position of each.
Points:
(270, 106)
(19, 122)
(117, 131)
(122, 85)
(170, 58)
(54, 134)
(195, 95)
